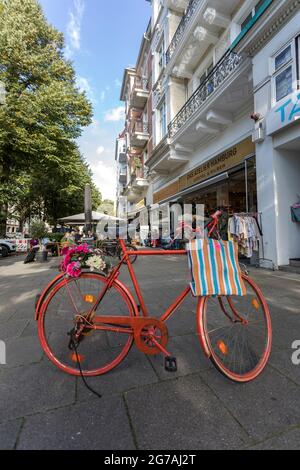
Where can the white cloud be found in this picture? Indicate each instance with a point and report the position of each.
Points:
(105, 179)
(100, 150)
(115, 115)
(118, 83)
(84, 85)
(74, 27)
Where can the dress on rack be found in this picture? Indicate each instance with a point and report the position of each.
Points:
(243, 229)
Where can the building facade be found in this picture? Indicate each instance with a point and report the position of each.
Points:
(137, 96)
(224, 61)
(225, 102)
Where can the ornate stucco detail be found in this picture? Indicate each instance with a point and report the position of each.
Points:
(280, 20)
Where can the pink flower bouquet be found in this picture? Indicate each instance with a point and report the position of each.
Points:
(82, 257)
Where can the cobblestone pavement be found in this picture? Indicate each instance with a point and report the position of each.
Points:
(144, 407)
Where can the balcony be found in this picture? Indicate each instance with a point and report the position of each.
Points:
(188, 15)
(137, 187)
(223, 94)
(138, 180)
(139, 133)
(123, 157)
(140, 93)
(201, 27)
(177, 5)
(123, 175)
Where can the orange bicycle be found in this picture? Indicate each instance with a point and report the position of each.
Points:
(87, 325)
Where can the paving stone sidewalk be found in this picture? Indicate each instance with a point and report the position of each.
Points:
(144, 407)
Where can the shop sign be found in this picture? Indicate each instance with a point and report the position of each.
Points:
(166, 192)
(140, 205)
(284, 114)
(222, 162)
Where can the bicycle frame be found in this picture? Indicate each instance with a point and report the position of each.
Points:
(143, 308)
(126, 258)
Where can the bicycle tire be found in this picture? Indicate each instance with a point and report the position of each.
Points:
(57, 351)
(132, 258)
(237, 360)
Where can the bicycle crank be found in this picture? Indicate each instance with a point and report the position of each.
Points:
(150, 335)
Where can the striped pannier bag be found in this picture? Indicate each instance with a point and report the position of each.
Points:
(215, 268)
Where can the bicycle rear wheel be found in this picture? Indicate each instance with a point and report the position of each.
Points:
(98, 351)
(237, 332)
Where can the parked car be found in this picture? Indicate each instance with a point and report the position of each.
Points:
(7, 247)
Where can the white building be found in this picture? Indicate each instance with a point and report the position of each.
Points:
(136, 94)
(122, 174)
(277, 99)
(215, 63)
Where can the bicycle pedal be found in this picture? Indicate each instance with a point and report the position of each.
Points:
(171, 364)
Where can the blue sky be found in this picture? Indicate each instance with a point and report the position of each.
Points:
(102, 38)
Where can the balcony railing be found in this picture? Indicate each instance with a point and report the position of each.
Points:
(140, 127)
(189, 13)
(224, 68)
(141, 83)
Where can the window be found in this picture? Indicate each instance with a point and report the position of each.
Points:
(161, 58)
(162, 121)
(246, 21)
(284, 72)
(284, 83)
(209, 84)
(253, 12)
(258, 5)
(206, 73)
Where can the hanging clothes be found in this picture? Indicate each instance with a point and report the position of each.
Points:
(244, 230)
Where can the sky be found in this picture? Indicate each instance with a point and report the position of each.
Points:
(102, 38)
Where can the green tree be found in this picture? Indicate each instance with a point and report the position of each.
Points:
(38, 229)
(44, 111)
(107, 206)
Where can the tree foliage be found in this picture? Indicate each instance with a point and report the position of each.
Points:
(107, 207)
(43, 115)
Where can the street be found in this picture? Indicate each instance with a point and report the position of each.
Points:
(142, 405)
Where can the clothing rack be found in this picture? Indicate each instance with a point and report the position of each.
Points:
(254, 215)
(258, 218)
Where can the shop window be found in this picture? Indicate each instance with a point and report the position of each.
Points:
(237, 192)
(284, 72)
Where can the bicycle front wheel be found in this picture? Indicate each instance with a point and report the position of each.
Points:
(98, 352)
(133, 258)
(237, 332)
